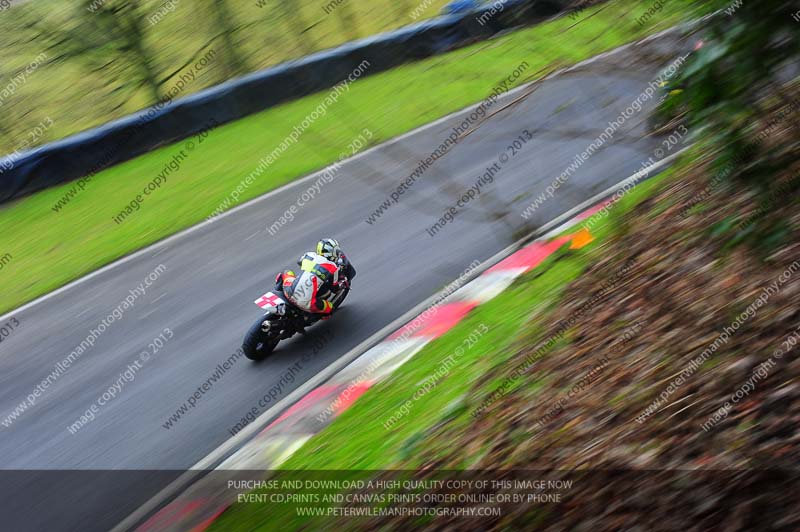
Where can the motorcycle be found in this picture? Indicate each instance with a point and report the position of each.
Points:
(281, 321)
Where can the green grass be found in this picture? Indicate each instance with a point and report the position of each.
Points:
(358, 440)
(374, 447)
(88, 95)
(50, 249)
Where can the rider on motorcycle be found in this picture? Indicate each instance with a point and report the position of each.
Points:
(323, 275)
(330, 249)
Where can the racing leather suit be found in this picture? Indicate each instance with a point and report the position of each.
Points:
(312, 290)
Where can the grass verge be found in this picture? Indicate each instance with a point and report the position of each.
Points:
(51, 248)
(358, 439)
(95, 88)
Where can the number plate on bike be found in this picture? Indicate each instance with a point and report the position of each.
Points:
(269, 301)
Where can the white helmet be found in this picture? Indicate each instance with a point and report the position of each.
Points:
(329, 248)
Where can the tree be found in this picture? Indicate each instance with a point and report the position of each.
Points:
(114, 30)
(736, 99)
(347, 20)
(224, 20)
(292, 14)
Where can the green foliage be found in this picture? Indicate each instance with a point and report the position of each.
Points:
(109, 58)
(730, 89)
(51, 249)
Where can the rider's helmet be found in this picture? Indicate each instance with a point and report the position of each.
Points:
(329, 248)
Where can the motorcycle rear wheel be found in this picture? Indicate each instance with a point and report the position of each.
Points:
(258, 344)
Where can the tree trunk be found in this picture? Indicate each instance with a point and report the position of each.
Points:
(235, 64)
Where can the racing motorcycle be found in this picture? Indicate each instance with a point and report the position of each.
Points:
(283, 319)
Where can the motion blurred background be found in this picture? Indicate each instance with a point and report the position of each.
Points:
(100, 60)
(705, 236)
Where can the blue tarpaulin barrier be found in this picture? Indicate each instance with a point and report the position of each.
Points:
(93, 150)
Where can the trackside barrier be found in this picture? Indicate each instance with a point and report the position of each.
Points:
(90, 151)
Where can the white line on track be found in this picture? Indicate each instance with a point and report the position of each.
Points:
(552, 228)
(207, 463)
(165, 242)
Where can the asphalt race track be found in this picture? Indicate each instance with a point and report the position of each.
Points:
(213, 274)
